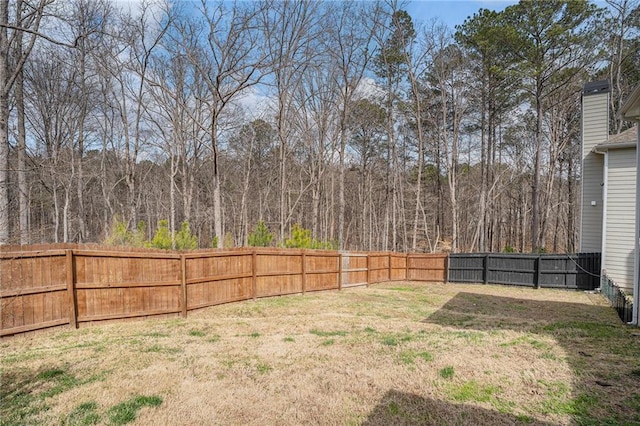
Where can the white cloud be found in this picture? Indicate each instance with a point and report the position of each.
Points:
(255, 103)
(368, 88)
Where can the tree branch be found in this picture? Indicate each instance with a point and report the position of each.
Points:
(46, 37)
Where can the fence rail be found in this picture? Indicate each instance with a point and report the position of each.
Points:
(579, 271)
(47, 286)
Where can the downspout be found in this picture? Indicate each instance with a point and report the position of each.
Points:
(636, 289)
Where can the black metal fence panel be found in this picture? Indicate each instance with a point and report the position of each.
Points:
(619, 300)
(579, 271)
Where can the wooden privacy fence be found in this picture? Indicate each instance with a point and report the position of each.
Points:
(580, 271)
(75, 285)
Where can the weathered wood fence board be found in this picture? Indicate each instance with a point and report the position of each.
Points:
(355, 270)
(33, 290)
(427, 268)
(71, 284)
(113, 285)
(217, 277)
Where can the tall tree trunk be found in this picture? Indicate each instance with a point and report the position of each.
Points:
(283, 187)
(244, 215)
(371, 207)
(65, 215)
(440, 203)
(481, 231)
(82, 229)
(315, 206)
(9, 72)
(389, 214)
(217, 197)
(4, 122)
(571, 211)
(56, 213)
(23, 199)
(172, 199)
(535, 188)
(420, 164)
(104, 182)
(341, 201)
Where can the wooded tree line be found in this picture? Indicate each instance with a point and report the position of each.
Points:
(349, 119)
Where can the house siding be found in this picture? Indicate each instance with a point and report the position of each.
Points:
(595, 129)
(620, 217)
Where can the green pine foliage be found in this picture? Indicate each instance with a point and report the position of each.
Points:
(301, 238)
(184, 239)
(162, 238)
(260, 236)
(120, 235)
(138, 238)
(228, 241)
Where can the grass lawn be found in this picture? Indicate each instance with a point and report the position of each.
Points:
(395, 353)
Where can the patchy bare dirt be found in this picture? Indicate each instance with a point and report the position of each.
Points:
(396, 353)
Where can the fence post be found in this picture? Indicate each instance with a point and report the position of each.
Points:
(446, 269)
(254, 284)
(485, 269)
(406, 267)
(538, 272)
(368, 270)
(71, 289)
(340, 271)
(304, 272)
(389, 267)
(183, 283)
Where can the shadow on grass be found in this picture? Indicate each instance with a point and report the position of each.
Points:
(20, 397)
(24, 393)
(603, 353)
(400, 408)
(486, 312)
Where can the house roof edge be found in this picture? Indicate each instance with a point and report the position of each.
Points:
(631, 108)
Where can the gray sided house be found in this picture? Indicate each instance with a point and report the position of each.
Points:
(631, 111)
(608, 218)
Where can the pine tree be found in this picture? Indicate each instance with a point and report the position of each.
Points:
(260, 236)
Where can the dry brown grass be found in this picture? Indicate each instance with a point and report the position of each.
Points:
(396, 353)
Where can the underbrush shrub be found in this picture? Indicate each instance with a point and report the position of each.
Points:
(120, 235)
(301, 238)
(260, 236)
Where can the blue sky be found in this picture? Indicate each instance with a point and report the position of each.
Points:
(451, 12)
(454, 12)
